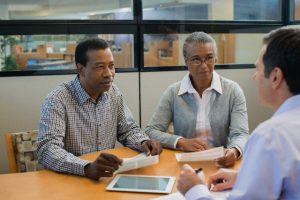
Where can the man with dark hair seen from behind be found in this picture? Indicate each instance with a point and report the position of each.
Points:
(271, 165)
(88, 114)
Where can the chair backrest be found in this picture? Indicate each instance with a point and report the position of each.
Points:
(21, 151)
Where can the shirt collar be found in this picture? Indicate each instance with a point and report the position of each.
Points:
(81, 94)
(289, 104)
(187, 87)
(216, 82)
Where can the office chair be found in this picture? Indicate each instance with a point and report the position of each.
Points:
(21, 151)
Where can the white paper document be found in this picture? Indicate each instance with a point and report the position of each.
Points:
(141, 160)
(206, 155)
(178, 196)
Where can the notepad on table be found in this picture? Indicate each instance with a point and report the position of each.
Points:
(206, 155)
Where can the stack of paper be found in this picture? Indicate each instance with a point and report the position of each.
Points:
(209, 154)
(138, 161)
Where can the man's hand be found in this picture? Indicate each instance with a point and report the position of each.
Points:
(194, 144)
(223, 179)
(151, 147)
(103, 166)
(188, 179)
(229, 158)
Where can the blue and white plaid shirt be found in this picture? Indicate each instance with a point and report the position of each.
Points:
(73, 124)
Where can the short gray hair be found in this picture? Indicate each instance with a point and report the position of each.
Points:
(198, 37)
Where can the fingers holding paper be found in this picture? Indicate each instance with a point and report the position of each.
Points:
(104, 166)
(194, 144)
(223, 179)
(229, 158)
(188, 179)
(151, 147)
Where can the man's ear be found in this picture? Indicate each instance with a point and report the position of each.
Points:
(276, 77)
(80, 68)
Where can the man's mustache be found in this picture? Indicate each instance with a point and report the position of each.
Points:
(107, 80)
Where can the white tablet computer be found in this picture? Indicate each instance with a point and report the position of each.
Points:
(142, 183)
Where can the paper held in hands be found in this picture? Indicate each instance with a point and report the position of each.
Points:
(209, 154)
(141, 160)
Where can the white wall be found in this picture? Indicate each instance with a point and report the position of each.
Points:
(21, 98)
(153, 84)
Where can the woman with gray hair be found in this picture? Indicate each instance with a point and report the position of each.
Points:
(206, 109)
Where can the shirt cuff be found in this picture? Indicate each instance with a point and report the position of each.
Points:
(239, 150)
(176, 141)
(79, 167)
(199, 191)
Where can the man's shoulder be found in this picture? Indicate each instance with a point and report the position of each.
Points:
(273, 124)
(277, 131)
(62, 91)
(114, 90)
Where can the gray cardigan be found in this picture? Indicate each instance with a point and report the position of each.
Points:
(228, 116)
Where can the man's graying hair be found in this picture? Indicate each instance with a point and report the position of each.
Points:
(198, 37)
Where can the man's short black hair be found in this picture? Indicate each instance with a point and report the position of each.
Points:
(89, 44)
(283, 51)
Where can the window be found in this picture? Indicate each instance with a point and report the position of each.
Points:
(297, 10)
(39, 36)
(241, 10)
(56, 52)
(166, 49)
(66, 9)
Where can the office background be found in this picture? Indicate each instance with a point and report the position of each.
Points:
(38, 39)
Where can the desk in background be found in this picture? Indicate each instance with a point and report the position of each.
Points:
(47, 184)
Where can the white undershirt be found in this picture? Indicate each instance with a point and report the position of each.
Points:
(203, 128)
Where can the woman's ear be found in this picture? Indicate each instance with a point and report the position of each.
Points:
(186, 61)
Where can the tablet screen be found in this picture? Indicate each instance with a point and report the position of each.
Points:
(139, 183)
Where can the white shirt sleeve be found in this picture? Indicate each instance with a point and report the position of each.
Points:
(176, 141)
(198, 192)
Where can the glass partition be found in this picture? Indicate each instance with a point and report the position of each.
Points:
(66, 9)
(55, 52)
(212, 10)
(166, 49)
(37, 35)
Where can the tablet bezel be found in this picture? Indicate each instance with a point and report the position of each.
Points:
(168, 189)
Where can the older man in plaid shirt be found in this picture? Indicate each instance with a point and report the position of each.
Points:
(88, 114)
